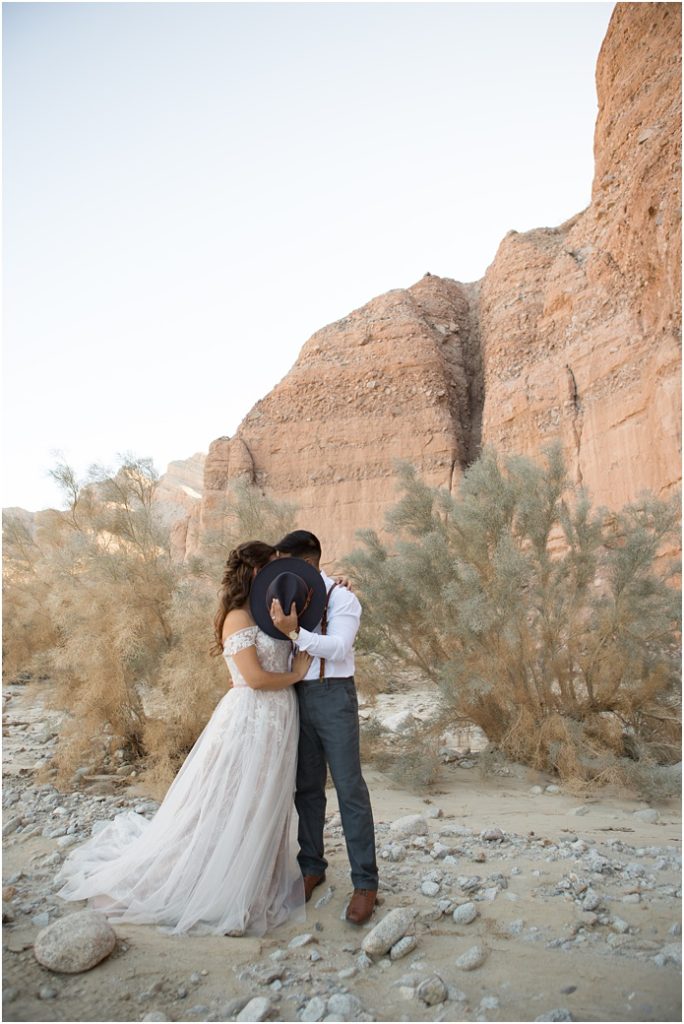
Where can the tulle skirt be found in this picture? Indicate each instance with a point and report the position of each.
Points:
(220, 854)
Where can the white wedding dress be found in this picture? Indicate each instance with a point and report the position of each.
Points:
(220, 854)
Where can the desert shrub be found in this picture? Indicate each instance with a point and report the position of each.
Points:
(418, 766)
(27, 633)
(372, 735)
(101, 577)
(541, 620)
(244, 511)
(95, 600)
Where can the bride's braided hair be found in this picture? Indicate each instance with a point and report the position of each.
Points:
(237, 582)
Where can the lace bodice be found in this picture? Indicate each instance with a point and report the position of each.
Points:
(273, 654)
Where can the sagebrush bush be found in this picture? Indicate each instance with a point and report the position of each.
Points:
(27, 634)
(94, 599)
(541, 620)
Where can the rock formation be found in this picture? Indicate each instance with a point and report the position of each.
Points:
(574, 332)
(394, 379)
(580, 323)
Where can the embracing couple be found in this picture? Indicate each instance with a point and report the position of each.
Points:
(220, 855)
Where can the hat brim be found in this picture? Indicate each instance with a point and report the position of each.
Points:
(312, 615)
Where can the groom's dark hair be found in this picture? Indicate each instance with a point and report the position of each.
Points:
(300, 544)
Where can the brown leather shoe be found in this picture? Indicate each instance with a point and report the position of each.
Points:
(310, 883)
(361, 905)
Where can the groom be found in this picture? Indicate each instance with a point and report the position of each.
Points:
(329, 735)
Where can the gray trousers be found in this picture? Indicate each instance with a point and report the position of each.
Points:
(329, 736)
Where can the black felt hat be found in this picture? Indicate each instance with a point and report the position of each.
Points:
(288, 579)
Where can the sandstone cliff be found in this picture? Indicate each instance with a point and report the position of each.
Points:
(391, 380)
(572, 333)
(580, 323)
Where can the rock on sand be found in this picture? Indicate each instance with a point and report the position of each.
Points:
(75, 943)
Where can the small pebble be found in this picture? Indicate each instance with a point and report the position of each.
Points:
(314, 1010)
(257, 1009)
(323, 900)
(409, 825)
(343, 1006)
(403, 947)
(432, 991)
(591, 900)
(465, 914)
(472, 958)
(648, 815)
(434, 812)
(492, 835)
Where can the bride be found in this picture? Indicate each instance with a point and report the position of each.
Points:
(220, 854)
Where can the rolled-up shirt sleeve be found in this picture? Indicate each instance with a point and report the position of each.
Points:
(343, 625)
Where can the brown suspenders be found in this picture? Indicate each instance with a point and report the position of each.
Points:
(324, 626)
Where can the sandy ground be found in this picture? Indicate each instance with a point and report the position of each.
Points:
(542, 955)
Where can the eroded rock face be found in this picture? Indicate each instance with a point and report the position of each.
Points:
(580, 323)
(391, 380)
(572, 333)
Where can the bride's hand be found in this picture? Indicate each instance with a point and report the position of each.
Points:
(300, 663)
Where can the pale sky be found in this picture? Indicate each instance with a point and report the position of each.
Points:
(191, 190)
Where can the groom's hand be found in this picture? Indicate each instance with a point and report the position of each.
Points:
(285, 623)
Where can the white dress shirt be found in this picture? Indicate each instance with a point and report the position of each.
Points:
(337, 646)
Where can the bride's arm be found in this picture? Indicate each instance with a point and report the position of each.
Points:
(245, 656)
(258, 678)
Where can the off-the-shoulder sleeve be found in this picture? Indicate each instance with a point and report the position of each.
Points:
(241, 639)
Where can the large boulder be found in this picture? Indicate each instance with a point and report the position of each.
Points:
(75, 943)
